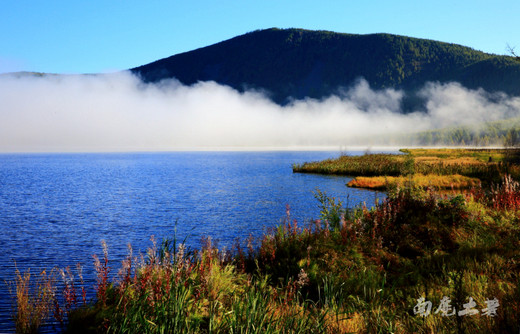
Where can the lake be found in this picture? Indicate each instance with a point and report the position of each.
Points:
(56, 208)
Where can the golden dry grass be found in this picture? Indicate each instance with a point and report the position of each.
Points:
(419, 180)
(33, 300)
(453, 154)
(352, 323)
(449, 161)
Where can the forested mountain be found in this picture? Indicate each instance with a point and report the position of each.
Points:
(293, 64)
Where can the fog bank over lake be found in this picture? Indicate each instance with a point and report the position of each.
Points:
(117, 112)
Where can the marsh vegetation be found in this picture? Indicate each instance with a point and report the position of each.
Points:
(435, 168)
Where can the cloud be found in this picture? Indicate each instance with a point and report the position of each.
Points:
(453, 105)
(117, 112)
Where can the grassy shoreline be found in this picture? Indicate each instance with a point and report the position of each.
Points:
(438, 168)
(360, 270)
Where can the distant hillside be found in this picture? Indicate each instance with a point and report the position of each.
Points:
(499, 133)
(295, 63)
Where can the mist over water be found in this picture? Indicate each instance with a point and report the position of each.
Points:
(118, 112)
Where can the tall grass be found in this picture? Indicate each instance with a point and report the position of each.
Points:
(34, 300)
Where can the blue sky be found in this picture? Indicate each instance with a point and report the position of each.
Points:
(94, 36)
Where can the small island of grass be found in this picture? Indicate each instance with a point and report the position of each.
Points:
(426, 168)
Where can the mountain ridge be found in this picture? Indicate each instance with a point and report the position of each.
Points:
(291, 64)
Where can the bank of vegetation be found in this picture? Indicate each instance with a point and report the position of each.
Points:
(417, 262)
(434, 168)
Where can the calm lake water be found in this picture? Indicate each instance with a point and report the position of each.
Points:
(56, 208)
